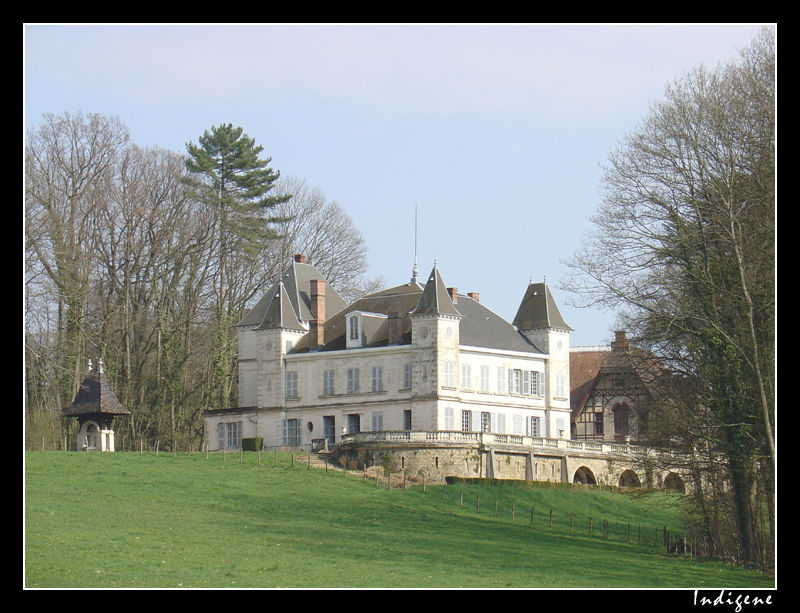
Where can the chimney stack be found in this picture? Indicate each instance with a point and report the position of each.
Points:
(317, 325)
(300, 258)
(453, 291)
(475, 296)
(395, 328)
(620, 343)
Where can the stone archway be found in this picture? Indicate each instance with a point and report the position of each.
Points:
(628, 478)
(89, 436)
(585, 476)
(674, 482)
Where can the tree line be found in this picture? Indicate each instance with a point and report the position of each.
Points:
(683, 248)
(145, 258)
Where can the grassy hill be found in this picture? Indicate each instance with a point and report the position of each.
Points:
(126, 520)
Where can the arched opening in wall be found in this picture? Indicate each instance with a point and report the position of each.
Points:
(622, 414)
(674, 482)
(585, 476)
(628, 478)
(89, 436)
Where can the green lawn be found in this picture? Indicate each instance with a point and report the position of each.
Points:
(125, 520)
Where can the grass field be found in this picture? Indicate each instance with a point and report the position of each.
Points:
(126, 520)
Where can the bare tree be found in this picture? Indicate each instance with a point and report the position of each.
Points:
(68, 166)
(323, 230)
(683, 246)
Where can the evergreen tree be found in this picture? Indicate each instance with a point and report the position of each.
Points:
(231, 178)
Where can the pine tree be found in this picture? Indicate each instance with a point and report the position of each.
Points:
(231, 178)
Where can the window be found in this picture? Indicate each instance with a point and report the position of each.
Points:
(353, 423)
(515, 381)
(291, 384)
(484, 378)
(466, 421)
(407, 419)
(353, 328)
(533, 427)
(353, 385)
(501, 379)
(229, 435)
(449, 419)
(406, 376)
(598, 424)
(560, 385)
(486, 422)
(377, 378)
(291, 432)
(466, 376)
(377, 421)
(500, 428)
(327, 383)
(535, 383)
(621, 420)
(449, 374)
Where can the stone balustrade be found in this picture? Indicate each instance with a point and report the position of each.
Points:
(490, 439)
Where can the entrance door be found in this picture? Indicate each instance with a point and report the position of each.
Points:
(329, 428)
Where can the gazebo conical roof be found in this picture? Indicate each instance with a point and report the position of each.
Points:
(95, 397)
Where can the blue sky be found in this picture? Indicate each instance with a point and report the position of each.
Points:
(496, 133)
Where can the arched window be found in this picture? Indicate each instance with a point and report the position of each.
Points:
(621, 420)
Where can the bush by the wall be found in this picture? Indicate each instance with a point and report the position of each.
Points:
(251, 444)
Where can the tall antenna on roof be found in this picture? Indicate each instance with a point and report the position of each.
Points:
(415, 270)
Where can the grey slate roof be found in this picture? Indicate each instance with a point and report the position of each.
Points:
(538, 309)
(95, 397)
(401, 299)
(479, 326)
(288, 302)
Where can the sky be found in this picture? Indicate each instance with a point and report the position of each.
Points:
(495, 134)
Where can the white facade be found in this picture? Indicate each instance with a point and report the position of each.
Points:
(415, 357)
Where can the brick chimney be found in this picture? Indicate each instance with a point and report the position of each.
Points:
(395, 328)
(300, 258)
(475, 296)
(453, 291)
(620, 344)
(317, 325)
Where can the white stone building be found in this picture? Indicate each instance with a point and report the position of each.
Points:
(417, 357)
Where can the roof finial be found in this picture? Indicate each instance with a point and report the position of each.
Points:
(415, 270)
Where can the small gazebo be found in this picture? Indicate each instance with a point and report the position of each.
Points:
(95, 406)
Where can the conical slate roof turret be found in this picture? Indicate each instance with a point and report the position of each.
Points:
(538, 309)
(434, 299)
(95, 397)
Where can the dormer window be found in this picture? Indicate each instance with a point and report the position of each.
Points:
(354, 330)
(362, 327)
